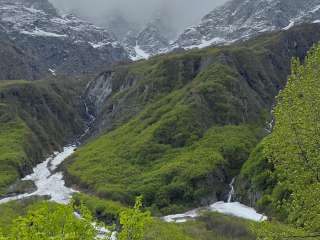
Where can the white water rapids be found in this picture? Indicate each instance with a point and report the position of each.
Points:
(48, 182)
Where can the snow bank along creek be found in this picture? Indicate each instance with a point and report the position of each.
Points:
(51, 183)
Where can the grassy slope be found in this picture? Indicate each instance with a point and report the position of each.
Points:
(185, 123)
(30, 125)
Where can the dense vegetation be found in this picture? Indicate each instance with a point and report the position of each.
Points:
(35, 119)
(52, 220)
(285, 166)
(183, 124)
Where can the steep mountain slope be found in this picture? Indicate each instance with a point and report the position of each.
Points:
(36, 118)
(183, 124)
(242, 19)
(53, 44)
(16, 63)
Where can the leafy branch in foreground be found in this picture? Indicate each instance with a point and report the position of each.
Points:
(134, 222)
(55, 222)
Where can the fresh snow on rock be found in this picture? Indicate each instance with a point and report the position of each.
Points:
(41, 33)
(65, 42)
(242, 19)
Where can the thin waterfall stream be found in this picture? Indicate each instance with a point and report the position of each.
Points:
(231, 192)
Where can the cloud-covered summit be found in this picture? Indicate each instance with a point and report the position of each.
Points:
(178, 13)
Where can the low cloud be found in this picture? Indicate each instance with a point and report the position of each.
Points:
(180, 13)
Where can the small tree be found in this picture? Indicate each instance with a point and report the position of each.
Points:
(55, 222)
(134, 221)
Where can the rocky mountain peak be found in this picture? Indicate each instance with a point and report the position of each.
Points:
(242, 19)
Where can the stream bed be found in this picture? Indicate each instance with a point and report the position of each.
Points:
(49, 182)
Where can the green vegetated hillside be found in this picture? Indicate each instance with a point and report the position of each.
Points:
(183, 124)
(284, 169)
(35, 119)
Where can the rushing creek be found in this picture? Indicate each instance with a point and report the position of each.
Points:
(50, 183)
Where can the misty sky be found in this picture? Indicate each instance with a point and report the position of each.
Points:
(180, 13)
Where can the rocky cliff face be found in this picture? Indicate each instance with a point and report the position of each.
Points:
(52, 43)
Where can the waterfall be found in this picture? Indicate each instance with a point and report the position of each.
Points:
(91, 117)
(89, 123)
(231, 193)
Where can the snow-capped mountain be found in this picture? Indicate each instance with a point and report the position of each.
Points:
(153, 39)
(235, 20)
(60, 43)
(66, 44)
(242, 19)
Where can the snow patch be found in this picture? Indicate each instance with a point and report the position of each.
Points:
(140, 54)
(99, 44)
(315, 9)
(206, 43)
(230, 208)
(291, 24)
(52, 71)
(238, 210)
(183, 217)
(34, 11)
(40, 33)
